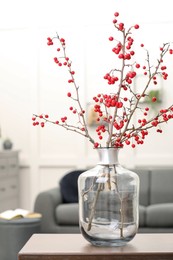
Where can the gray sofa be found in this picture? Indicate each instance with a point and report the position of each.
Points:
(155, 210)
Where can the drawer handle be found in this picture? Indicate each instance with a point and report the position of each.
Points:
(13, 165)
(13, 187)
(2, 167)
(2, 189)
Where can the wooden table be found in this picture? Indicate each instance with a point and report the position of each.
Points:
(75, 247)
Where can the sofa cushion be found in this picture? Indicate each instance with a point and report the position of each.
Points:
(69, 187)
(161, 186)
(67, 214)
(142, 216)
(144, 178)
(160, 215)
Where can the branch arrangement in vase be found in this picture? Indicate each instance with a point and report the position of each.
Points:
(115, 111)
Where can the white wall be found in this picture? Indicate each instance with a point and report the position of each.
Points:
(31, 83)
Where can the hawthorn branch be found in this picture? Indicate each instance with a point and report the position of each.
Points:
(77, 99)
(146, 87)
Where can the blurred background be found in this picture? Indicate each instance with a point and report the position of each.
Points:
(30, 82)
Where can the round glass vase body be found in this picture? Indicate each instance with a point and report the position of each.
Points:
(108, 202)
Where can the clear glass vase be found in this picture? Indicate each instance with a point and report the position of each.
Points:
(108, 201)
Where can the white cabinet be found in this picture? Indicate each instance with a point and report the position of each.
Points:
(9, 180)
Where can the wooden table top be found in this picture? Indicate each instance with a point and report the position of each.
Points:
(74, 246)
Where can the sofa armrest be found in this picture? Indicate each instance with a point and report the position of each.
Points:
(45, 203)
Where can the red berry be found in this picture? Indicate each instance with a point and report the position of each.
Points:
(96, 145)
(70, 81)
(121, 56)
(62, 40)
(56, 60)
(154, 99)
(121, 26)
(111, 38)
(69, 94)
(116, 14)
(163, 68)
(136, 26)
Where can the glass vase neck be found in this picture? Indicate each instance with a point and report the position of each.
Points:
(108, 156)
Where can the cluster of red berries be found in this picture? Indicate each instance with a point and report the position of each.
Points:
(126, 55)
(60, 63)
(119, 126)
(42, 117)
(108, 101)
(137, 138)
(111, 79)
(49, 41)
(118, 49)
(130, 75)
(100, 130)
